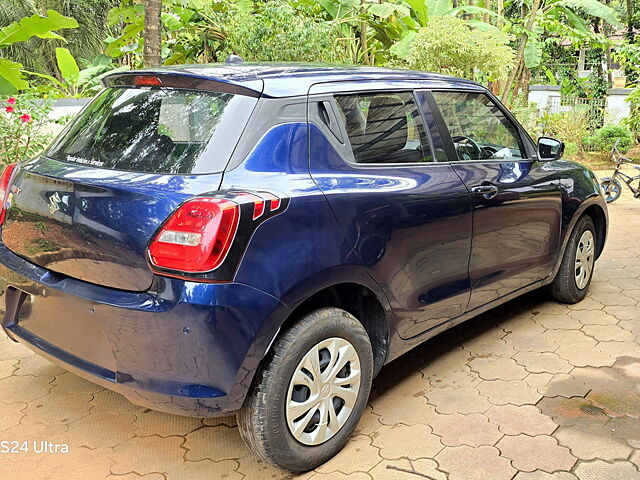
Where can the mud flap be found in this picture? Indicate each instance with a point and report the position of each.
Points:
(14, 300)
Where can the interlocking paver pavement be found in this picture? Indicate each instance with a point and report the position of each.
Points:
(532, 390)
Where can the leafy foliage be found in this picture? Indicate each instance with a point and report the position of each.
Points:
(11, 77)
(76, 82)
(570, 127)
(628, 56)
(590, 7)
(633, 121)
(67, 65)
(42, 26)
(23, 131)
(279, 32)
(604, 139)
(84, 42)
(448, 45)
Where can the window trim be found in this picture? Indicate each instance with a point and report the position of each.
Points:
(427, 133)
(525, 139)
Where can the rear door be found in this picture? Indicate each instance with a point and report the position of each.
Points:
(516, 200)
(407, 216)
(89, 206)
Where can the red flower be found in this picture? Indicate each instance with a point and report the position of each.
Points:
(9, 109)
(26, 118)
(11, 101)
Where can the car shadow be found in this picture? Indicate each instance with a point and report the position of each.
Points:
(449, 341)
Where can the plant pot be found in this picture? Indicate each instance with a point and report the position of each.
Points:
(619, 82)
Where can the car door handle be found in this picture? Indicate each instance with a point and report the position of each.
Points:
(487, 191)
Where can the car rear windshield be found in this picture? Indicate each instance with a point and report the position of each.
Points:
(156, 131)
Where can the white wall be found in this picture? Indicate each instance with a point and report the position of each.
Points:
(547, 99)
(617, 107)
(63, 107)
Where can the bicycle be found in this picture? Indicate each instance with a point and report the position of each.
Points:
(611, 186)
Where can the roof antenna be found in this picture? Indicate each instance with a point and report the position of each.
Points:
(234, 59)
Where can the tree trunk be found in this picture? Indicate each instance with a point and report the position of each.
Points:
(520, 53)
(469, 16)
(630, 35)
(487, 5)
(516, 84)
(525, 80)
(500, 12)
(152, 33)
(364, 44)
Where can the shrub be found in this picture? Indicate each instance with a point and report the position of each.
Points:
(570, 127)
(604, 139)
(278, 32)
(21, 128)
(449, 45)
(571, 149)
(633, 120)
(528, 118)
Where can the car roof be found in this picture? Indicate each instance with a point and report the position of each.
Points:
(293, 79)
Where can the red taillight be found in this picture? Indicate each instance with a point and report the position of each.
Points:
(5, 184)
(197, 237)
(146, 81)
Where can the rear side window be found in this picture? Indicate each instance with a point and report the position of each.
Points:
(478, 128)
(384, 128)
(156, 131)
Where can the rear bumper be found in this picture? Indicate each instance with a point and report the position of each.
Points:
(188, 348)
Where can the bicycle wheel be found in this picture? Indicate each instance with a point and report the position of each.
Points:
(612, 190)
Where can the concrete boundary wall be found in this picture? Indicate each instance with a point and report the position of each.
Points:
(547, 98)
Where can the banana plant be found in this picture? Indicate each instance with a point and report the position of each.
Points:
(131, 16)
(372, 30)
(566, 17)
(189, 29)
(76, 82)
(547, 15)
(12, 77)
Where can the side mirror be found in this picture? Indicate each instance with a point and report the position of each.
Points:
(549, 149)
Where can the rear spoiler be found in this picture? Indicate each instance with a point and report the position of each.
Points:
(183, 81)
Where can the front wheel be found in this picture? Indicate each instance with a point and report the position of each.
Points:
(574, 276)
(612, 190)
(310, 393)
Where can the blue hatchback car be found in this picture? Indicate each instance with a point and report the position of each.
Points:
(263, 238)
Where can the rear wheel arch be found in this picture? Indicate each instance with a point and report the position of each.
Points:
(595, 208)
(599, 219)
(571, 282)
(361, 302)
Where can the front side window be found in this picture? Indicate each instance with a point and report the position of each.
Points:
(155, 130)
(384, 128)
(478, 128)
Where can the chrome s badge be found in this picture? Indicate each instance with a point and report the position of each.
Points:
(54, 203)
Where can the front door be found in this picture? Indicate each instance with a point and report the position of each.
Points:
(517, 199)
(406, 217)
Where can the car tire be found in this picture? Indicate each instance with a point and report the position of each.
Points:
(612, 190)
(281, 388)
(572, 281)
